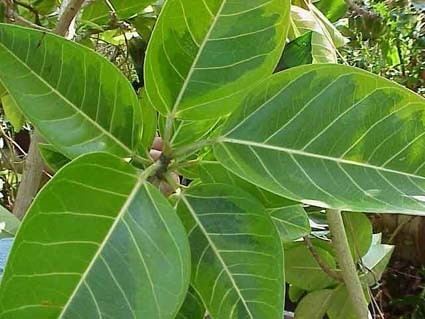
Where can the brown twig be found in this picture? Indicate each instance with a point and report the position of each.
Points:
(34, 166)
(29, 8)
(330, 272)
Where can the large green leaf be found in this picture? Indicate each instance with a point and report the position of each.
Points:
(99, 12)
(77, 99)
(98, 241)
(307, 131)
(204, 53)
(236, 253)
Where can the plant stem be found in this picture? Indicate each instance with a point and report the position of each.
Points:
(346, 263)
(330, 272)
(189, 149)
(33, 169)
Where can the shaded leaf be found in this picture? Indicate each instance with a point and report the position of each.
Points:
(341, 305)
(359, 233)
(110, 243)
(314, 305)
(365, 133)
(204, 54)
(78, 100)
(236, 253)
(291, 222)
(297, 52)
(295, 293)
(98, 11)
(332, 9)
(52, 157)
(214, 172)
(302, 270)
(192, 308)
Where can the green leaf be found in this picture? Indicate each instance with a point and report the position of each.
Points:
(204, 54)
(2, 91)
(144, 26)
(237, 261)
(192, 308)
(97, 241)
(52, 157)
(359, 233)
(214, 172)
(291, 222)
(302, 270)
(295, 293)
(332, 9)
(78, 100)
(12, 112)
(149, 123)
(376, 260)
(98, 11)
(314, 305)
(341, 305)
(348, 127)
(185, 132)
(297, 52)
(9, 223)
(325, 37)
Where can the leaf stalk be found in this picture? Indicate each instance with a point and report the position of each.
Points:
(346, 263)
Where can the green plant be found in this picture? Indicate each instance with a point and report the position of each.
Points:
(100, 240)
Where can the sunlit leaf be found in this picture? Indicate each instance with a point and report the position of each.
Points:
(12, 112)
(236, 253)
(77, 99)
(98, 241)
(203, 54)
(364, 132)
(325, 37)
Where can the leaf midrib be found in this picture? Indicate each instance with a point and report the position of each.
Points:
(196, 59)
(54, 90)
(217, 254)
(142, 178)
(314, 155)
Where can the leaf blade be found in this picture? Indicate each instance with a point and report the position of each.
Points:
(82, 114)
(351, 143)
(223, 225)
(189, 71)
(79, 247)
